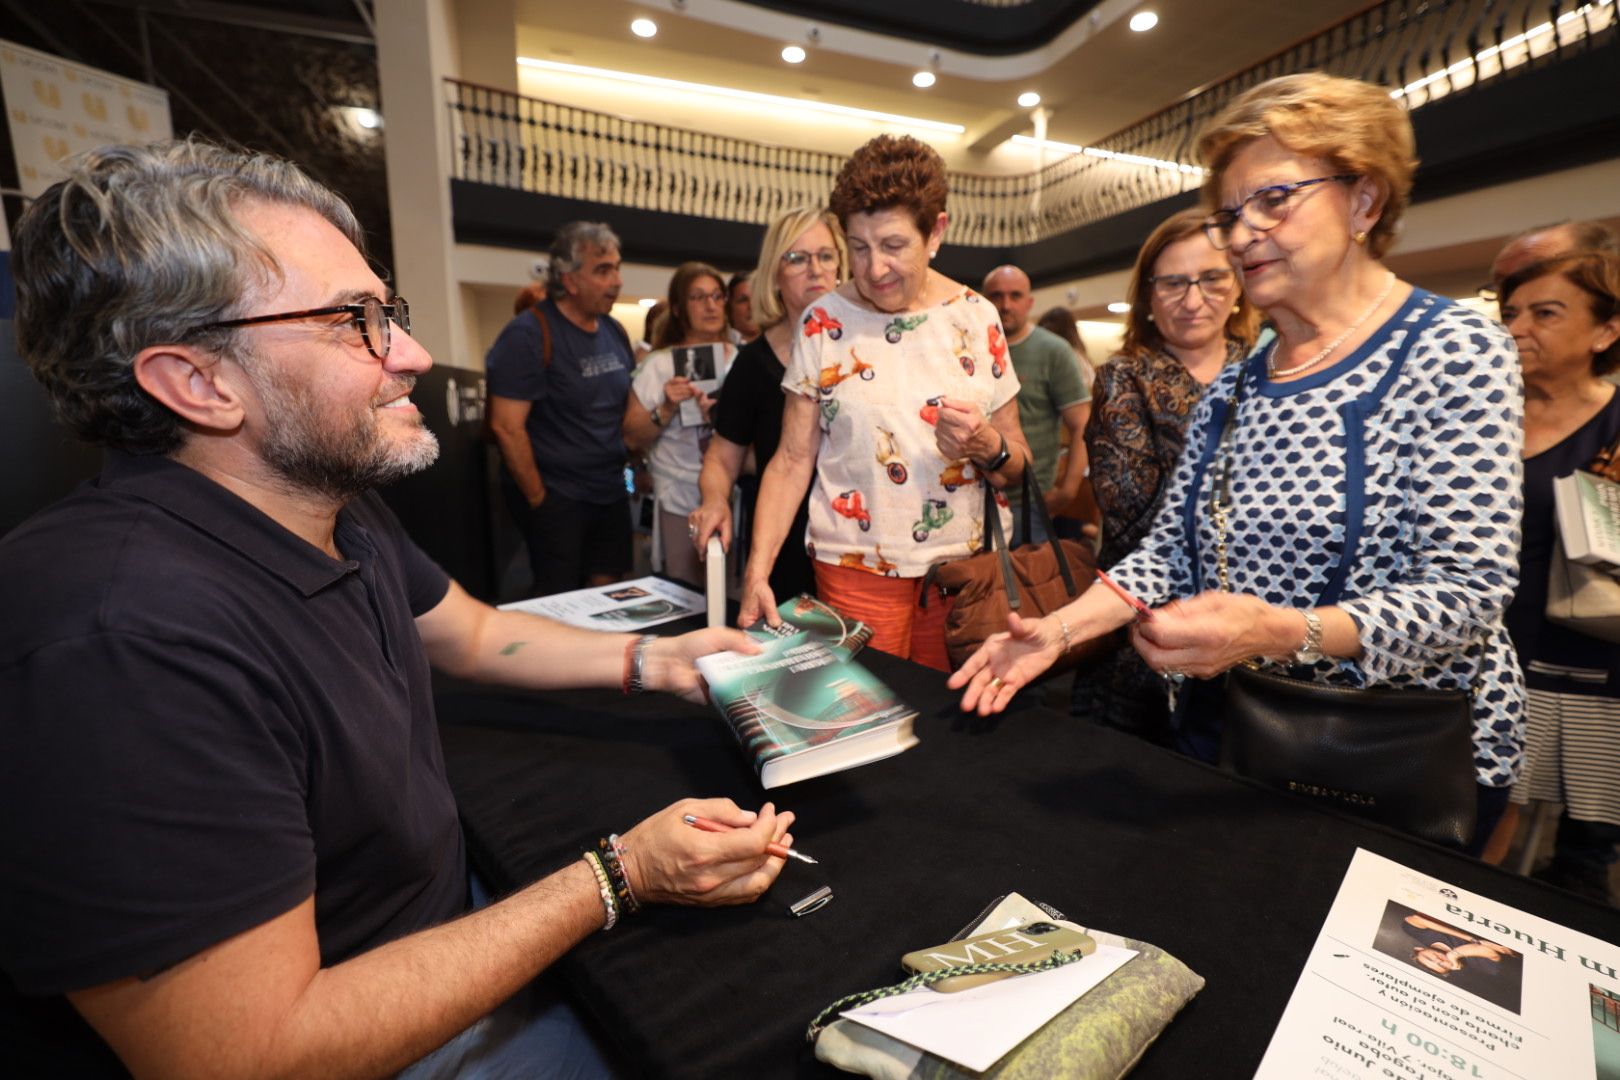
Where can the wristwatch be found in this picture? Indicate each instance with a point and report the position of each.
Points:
(1000, 459)
(658, 415)
(1311, 651)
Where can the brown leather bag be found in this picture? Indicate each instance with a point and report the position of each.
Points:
(1033, 580)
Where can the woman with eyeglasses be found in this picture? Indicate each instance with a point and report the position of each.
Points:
(900, 402)
(655, 422)
(803, 257)
(1188, 320)
(1357, 522)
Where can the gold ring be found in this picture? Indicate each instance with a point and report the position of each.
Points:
(995, 681)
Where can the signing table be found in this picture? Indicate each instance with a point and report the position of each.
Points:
(1233, 879)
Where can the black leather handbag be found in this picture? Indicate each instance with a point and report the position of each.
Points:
(1397, 756)
(1400, 756)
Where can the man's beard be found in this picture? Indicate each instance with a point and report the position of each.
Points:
(336, 462)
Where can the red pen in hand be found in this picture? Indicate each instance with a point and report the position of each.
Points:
(1142, 610)
(710, 825)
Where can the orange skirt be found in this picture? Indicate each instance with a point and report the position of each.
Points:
(890, 606)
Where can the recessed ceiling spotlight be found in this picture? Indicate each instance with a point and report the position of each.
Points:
(793, 54)
(923, 80)
(648, 302)
(647, 28)
(1119, 307)
(1144, 20)
(1028, 99)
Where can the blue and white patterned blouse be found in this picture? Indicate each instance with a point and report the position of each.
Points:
(1433, 466)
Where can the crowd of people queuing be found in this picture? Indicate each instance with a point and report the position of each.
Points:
(1295, 455)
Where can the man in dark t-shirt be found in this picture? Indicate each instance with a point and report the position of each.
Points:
(559, 377)
(231, 845)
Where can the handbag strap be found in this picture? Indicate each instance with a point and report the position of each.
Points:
(995, 540)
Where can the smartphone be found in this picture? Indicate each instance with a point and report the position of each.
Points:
(1142, 610)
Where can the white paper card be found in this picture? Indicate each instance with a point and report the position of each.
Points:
(975, 1028)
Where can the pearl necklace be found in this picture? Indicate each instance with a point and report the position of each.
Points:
(1277, 372)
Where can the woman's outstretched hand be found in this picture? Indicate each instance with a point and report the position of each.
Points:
(1006, 663)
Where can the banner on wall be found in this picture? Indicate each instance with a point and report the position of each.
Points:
(56, 108)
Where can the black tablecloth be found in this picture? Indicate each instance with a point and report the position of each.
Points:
(1233, 879)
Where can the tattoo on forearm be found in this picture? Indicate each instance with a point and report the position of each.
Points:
(513, 647)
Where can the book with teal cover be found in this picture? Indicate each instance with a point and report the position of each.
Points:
(805, 614)
(803, 708)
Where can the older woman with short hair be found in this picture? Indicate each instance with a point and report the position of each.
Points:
(1358, 521)
(900, 402)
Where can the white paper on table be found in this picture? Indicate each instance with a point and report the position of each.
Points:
(625, 606)
(975, 1028)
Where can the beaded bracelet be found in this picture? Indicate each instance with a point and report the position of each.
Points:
(611, 853)
(610, 903)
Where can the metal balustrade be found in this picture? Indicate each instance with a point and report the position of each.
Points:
(1423, 51)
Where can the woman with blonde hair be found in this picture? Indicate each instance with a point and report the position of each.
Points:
(803, 256)
(1348, 505)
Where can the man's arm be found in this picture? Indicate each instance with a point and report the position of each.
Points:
(469, 639)
(260, 1004)
(507, 417)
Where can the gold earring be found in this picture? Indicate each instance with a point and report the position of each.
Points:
(1150, 316)
(1359, 236)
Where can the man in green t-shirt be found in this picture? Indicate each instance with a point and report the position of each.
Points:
(1053, 396)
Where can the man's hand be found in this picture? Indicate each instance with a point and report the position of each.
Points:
(534, 501)
(671, 862)
(667, 665)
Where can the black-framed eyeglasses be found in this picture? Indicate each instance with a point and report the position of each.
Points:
(371, 316)
(826, 258)
(1264, 210)
(1214, 284)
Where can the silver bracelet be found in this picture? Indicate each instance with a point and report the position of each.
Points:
(638, 659)
(1068, 642)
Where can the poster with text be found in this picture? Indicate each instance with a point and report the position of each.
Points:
(1413, 977)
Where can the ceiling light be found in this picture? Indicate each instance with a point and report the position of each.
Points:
(923, 80)
(1119, 307)
(648, 302)
(647, 28)
(1028, 99)
(1144, 20)
(793, 54)
(775, 101)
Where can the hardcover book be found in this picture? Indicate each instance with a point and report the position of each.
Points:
(1589, 519)
(803, 708)
(805, 614)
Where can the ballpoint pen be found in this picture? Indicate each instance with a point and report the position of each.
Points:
(710, 825)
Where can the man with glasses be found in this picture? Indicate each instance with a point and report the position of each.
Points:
(558, 375)
(231, 844)
(1051, 397)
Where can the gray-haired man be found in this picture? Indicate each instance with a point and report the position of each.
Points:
(230, 841)
(559, 377)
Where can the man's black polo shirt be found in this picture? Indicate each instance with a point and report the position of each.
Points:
(203, 720)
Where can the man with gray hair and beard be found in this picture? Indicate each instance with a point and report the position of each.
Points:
(559, 376)
(231, 847)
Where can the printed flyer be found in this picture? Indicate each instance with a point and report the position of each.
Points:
(1412, 977)
(626, 606)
